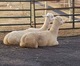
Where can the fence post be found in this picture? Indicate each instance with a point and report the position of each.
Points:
(73, 16)
(34, 15)
(71, 10)
(45, 8)
(31, 13)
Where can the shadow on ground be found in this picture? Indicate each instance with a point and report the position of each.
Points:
(66, 54)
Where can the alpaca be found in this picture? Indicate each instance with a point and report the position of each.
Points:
(43, 38)
(13, 38)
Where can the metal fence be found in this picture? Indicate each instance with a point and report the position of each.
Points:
(73, 15)
(16, 10)
(33, 2)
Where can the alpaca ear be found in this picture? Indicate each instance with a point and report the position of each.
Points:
(53, 18)
(45, 15)
(64, 21)
(48, 14)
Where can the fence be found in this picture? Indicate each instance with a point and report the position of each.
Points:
(15, 10)
(33, 2)
(72, 8)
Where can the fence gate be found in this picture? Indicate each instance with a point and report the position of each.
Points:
(71, 11)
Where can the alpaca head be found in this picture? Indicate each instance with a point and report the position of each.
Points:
(50, 16)
(59, 20)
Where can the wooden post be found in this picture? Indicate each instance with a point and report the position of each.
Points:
(45, 8)
(70, 11)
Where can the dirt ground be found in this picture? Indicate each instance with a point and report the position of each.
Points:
(67, 53)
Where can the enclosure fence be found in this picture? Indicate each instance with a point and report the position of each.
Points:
(33, 10)
(72, 15)
(16, 17)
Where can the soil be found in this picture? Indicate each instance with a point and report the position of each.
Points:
(67, 53)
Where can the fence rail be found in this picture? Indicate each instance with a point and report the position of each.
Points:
(16, 10)
(33, 3)
(73, 7)
(15, 0)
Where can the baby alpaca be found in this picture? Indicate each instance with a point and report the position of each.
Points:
(13, 38)
(43, 38)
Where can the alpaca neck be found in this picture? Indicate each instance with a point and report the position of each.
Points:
(46, 24)
(54, 29)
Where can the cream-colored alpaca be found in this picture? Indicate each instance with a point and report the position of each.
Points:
(14, 37)
(44, 38)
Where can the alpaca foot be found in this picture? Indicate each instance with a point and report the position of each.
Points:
(22, 45)
(29, 46)
(6, 42)
(54, 43)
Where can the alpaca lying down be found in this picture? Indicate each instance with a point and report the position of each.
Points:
(13, 38)
(43, 38)
(34, 40)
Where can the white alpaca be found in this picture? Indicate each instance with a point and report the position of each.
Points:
(14, 37)
(43, 38)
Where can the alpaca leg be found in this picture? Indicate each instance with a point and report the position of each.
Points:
(33, 45)
(8, 40)
(29, 45)
(5, 40)
(54, 43)
(27, 41)
(22, 45)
